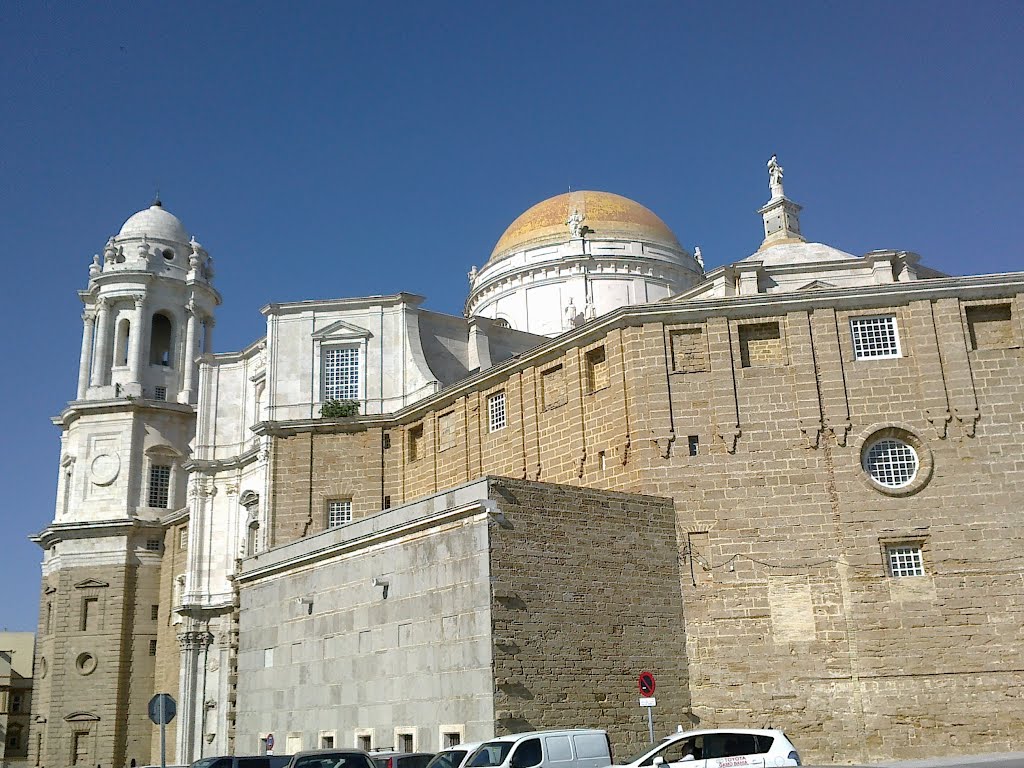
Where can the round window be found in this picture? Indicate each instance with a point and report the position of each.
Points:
(168, 254)
(85, 663)
(891, 462)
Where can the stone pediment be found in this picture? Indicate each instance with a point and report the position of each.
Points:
(82, 717)
(91, 584)
(815, 284)
(340, 330)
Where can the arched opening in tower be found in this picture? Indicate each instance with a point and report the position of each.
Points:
(160, 341)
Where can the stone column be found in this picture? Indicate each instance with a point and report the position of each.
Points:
(136, 346)
(208, 338)
(188, 386)
(190, 695)
(100, 360)
(85, 361)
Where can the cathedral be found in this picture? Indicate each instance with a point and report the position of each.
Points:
(789, 488)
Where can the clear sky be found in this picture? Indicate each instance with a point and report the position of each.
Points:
(350, 148)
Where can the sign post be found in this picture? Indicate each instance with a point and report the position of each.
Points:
(646, 685)
(162, 710)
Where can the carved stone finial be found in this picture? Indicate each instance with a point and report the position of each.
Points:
(775, 177)
(575, 223)
(95, 268)
(472, 275)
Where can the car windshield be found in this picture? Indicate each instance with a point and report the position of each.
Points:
(491, 753)
(449, 758)
(212, 762)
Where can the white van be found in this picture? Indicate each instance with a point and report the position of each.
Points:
(578, 748)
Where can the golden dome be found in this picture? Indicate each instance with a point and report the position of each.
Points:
(604, 215)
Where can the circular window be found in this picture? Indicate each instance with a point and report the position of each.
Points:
(891, 462)
(85, 663)
(894, 460)
(169, 254)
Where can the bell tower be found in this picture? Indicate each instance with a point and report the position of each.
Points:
(148, 314)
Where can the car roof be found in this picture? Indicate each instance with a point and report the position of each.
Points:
(518, 736)
(332, 751)
(396, 753)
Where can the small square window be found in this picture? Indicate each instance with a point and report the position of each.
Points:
(451, 739)
(152, 545)
(496, 415)
(364, 741)
(152, 647)
(339, 512)
(154, 612)
(159, 393)
(875, 337)
(905, 560)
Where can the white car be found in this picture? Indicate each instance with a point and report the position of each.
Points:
(454, 757)
(719, 748)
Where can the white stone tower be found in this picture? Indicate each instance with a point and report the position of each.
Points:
(148, 314)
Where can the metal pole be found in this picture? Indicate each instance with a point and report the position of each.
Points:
(163, 733)
(650, 722)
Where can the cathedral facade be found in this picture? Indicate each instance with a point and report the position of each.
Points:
(790, 487)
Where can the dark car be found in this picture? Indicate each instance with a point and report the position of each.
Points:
(235, 761)
(331, 758)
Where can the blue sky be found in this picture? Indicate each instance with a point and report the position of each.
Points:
(342, 149)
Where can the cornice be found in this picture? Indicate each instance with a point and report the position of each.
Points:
(57, 532)
(738, 307)
(75, 409)
(332, 305)
(334, 547)
(219, 465)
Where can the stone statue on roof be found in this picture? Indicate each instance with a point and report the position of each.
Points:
(775, 177)
(575, 223)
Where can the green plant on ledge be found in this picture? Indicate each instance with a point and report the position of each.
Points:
(337, 409)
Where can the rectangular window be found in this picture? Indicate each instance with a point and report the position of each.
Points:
(154, 612)
(183, 537)
(875, 337)
(152, 647)
(90, 608)
(80, 748)
(496, 417)
(341, 373)
(597, 369)
(760, 345)
(49, 618)
(16, 702)
(159, 393)
(364, 741)
(326, 742)
(268, 657)
(386, 440)
(415, 442)
(446, 431)
(552, 387)
(405, 742)
(339, 512)
(693, 444)
(451, 739)
(152, 545)
(387, 502)
(689, 351)
(990, 326)
(159, 485)
(905, 560)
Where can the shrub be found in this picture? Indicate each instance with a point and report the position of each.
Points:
(336, 409)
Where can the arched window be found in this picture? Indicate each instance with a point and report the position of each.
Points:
(121, 343)
(250, 500)
(160, 341)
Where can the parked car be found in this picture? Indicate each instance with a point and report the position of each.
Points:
(331, 758)
(235, 761)
(392, 759)
(719, 748)
(578, 748)
(454, 757)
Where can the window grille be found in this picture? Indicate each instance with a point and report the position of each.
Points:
(875, 337)
(154, 612)
(339, 511)
(341, 373)
(152, 545)
(152, 647)
(183, 537)
(905, 560)
(159, 393)
(159, 485)
(496, 411)
(892, 463)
